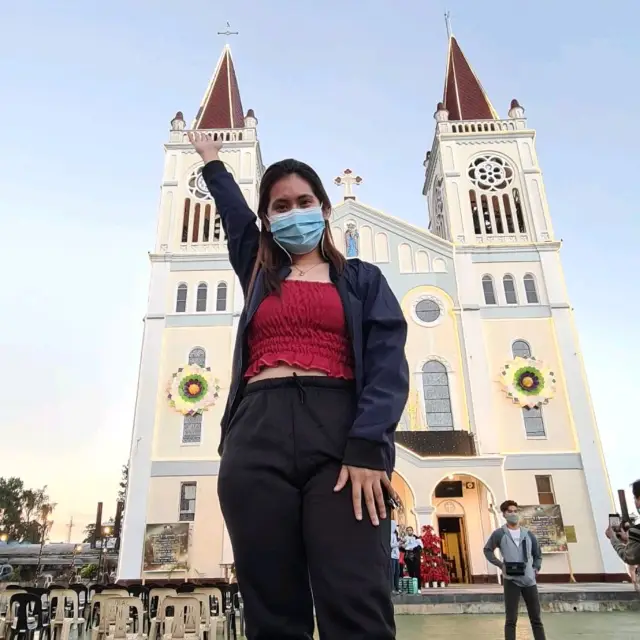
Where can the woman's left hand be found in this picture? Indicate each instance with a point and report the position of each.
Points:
(369, 482)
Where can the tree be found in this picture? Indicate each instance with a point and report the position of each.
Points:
(25, 514)
(124, 484)
(432, 567)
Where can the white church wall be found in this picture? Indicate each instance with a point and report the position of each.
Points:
(212, 278)
(206, 530)
(499, 336)
(498, 270)
(436, 341)
(571, 494)
(178, 342)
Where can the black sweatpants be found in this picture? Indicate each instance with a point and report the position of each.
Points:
(531, 598)
(412, 562)
(290, 532)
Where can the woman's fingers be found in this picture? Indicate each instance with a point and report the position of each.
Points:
(370, 501)
(343, 478)
(379, 496)
(356, 496)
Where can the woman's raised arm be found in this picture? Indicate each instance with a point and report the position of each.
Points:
(238, 221)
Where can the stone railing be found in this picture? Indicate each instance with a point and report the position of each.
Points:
(227, 135)
(466, 127)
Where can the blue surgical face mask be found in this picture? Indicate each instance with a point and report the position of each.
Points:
(298, 231)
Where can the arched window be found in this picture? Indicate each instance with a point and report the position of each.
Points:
(366, 243)
(198, 356)
(405, 258)
(437, 399)
(221, 297)
(181, 299)
(381, 247)
(422, 262)
(510, 289)
(520, 349)
(488, 290)
(530, 289)
(439, 265)
(533, 420)
(192, 429)
(201, 300)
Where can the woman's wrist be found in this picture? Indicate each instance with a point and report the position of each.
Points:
(210, 156)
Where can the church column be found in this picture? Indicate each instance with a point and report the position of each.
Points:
(135, 516)
(426, 517)
(477, 364)
(580, 406)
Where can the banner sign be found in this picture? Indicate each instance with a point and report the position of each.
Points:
(166, 547)
(545, 522)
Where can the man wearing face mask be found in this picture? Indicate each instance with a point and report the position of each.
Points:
(520, 564)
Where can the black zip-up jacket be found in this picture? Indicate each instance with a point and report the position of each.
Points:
(376, 325)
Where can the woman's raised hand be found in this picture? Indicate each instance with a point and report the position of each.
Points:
(205, 145)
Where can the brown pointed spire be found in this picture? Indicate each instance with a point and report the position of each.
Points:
(221, 107)
(464, 97)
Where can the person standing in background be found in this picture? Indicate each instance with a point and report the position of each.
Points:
(395, 558)
(627, 543)
(521, 562)
(412, 547)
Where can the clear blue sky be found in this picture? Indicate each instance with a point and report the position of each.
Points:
(88, 90)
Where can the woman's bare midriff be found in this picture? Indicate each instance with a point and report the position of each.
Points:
(284, 371)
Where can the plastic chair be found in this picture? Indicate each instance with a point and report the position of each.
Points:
(185, 624)
(27, 619)
(6, 618)
(156, 616)
(216, 606)
(204, 614)
(141, 591)
(122, 618)
(83, 602)
(61, 623)
(43, 594)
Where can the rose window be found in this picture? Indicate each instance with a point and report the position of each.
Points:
(491, 173)
(197, 186)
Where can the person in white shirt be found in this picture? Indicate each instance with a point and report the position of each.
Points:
(412, 547)
(395, 558)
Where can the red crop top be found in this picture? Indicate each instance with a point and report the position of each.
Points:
(302, 327)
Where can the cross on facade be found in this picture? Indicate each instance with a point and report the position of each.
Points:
(347, 180)
(228, 32)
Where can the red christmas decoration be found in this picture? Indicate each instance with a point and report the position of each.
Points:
(432, 566)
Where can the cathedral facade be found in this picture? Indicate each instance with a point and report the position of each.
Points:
(499, 404)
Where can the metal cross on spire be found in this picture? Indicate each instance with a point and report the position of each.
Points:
(447, 21)
(347, 180)
(228, 32)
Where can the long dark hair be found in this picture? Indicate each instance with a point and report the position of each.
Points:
(270, 256)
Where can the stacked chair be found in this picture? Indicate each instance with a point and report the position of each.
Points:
(187, 611)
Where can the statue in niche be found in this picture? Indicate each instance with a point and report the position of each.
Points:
(351, 237)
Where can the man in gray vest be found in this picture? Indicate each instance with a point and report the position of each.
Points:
(520, 564)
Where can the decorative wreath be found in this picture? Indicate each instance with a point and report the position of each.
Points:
(192, 389)
(528, 382)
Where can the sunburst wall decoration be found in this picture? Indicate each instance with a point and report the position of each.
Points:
(528, 382)
(192, 389)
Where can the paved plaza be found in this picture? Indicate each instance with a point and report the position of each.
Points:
(612, 626)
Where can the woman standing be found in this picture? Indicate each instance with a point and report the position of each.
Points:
(412, 547)
(319, 383)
